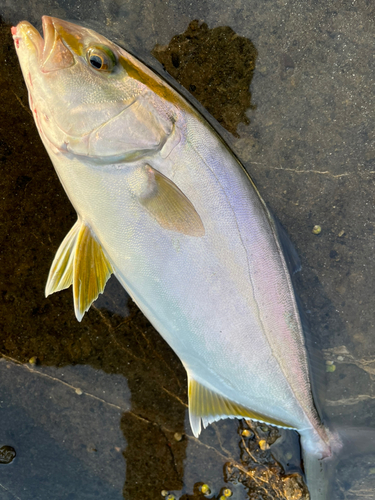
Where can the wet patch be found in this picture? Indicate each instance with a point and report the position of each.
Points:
(216, 66)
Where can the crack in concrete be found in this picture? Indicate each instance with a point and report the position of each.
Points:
(227, 457)
(150, 422)
(176, 397)
(174, 464)
(22, 104)
(55, 379)
(318, 172)
(135, 328)
(224, 456)
(125, 410)
(158, 355)
(8, 491)
(120, 346)
(197, 441)
(349, 401)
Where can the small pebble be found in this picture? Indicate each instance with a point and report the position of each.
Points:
(33, 360)
(205, 489)
(79, 392)
(246, 433)
(330, 368)
(178, 436)
(7, 454)
(341, 233)
(317, 230)
(164, 493)
(340, 358)
(263, 445)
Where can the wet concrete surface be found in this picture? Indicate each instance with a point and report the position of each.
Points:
(310, 148)
(221, 84)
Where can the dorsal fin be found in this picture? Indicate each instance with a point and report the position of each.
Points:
(207, 406)
(79, 260)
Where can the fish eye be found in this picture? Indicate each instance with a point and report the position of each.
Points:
(101, 58)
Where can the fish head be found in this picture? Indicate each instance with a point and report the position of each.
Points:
(77, 84)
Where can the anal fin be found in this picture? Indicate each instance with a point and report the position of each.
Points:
(207, 406)
(80, 261)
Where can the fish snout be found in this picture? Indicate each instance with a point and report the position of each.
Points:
(29, 35)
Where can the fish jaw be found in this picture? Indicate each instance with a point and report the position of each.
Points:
(48, 53)
(28, 41)
(29, 47)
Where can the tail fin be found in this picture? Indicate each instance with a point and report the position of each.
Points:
(319, 473)
(323, 476)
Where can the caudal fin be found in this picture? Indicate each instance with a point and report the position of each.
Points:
(352, 462)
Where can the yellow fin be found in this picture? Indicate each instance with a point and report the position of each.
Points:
(61, 273)
(206, 406)
(169, 206)
(79, 260)
(91, 271)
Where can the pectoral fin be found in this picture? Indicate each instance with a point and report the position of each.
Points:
(80, 261)
(61, 272)
(91, 271)
(169, 206)
(206, 406)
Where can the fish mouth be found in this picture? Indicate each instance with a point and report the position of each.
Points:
(29, 35)
(51, 51)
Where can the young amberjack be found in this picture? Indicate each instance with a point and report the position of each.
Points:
(164, 205)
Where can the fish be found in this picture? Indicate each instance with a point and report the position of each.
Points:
(164, 205)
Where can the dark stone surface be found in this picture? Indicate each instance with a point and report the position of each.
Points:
(309, 147)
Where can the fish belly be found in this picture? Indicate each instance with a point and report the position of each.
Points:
(223, 301)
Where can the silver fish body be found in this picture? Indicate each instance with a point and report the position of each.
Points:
(167, 207)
